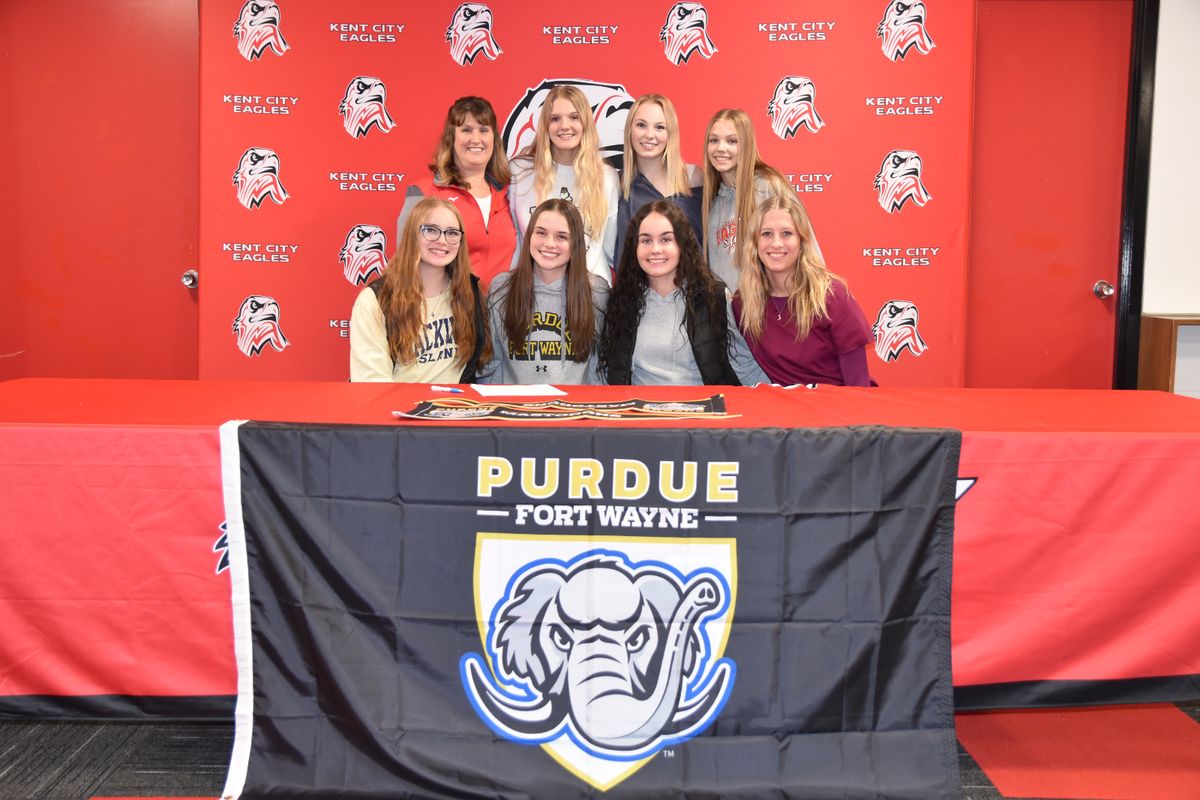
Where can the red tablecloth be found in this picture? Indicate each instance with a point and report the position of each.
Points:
(1076, 551)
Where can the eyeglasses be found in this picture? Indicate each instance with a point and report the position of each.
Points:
(432, 233)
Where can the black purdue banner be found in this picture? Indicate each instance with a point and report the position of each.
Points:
(560, 613)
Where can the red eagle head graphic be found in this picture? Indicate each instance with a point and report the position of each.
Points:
(362, 254)
(257, 325)
(257, 30)
(895, 330)
(686, 33)
(470, 33)
(610, 103)
(792, 107)
(899, 180)
(727, 235)
(903, 28)
(257, 178)
(362, 107)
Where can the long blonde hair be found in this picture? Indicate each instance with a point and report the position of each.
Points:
(402, 299)
(677, 176)
(749, 166)
(589, 167)
(809, 278)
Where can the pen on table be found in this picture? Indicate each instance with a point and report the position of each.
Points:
(450, 389)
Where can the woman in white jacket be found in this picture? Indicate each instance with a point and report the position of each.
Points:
(564, 162)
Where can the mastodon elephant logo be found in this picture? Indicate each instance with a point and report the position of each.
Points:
(257, 30)
(899, 180)
(470, 34)
(895, 330)
(610, 104)
(903, 28)
(257, 325)
(612, 653)
(362, 254)
(792, 107)
(362, 107)
(257, 178)
(685, 33)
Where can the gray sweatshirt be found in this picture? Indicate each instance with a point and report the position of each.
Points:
(722, 232)
(541, 358)
(663, 354)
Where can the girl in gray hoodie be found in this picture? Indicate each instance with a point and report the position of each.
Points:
(546, 313)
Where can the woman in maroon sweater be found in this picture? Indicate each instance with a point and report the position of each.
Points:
(799, 319)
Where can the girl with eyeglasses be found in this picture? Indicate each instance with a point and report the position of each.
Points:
(668, 320)
(799, 319)
(422, 321)
(654, 168)
(564, 162)
(736, 180)
(469, 170)
(546, 313)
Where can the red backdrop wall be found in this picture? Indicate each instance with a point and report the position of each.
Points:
(98, 212)
(279, 99)
(99, 216)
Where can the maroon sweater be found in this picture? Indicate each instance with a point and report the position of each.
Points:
(833, 352)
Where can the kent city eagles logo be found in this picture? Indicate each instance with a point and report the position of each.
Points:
(257, 30)
(257, 325)
(362, 107)
(257, 178)
(470, 34)
(685, 33)
(602, 653)
(791, 108)
(899, 180)
(610, 104)
(362, 254)
(903, 28)
(895, 330)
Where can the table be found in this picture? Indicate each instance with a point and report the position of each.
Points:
(1076, 572)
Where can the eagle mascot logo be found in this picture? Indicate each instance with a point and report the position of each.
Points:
(470, 33)
(903, 28)
(899, 180)
(257, 325)
(610, 104)
(362, 107)
(895, 330)
(792, 107)
(686, 33)
(362, 254)
(257, 178)
(257, 30)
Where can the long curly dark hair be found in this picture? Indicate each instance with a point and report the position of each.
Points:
(627, 301)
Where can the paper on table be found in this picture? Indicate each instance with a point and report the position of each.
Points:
(517, 390)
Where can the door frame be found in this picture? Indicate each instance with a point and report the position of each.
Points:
(1135, 193)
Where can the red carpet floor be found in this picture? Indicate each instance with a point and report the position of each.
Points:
(1134, 752)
